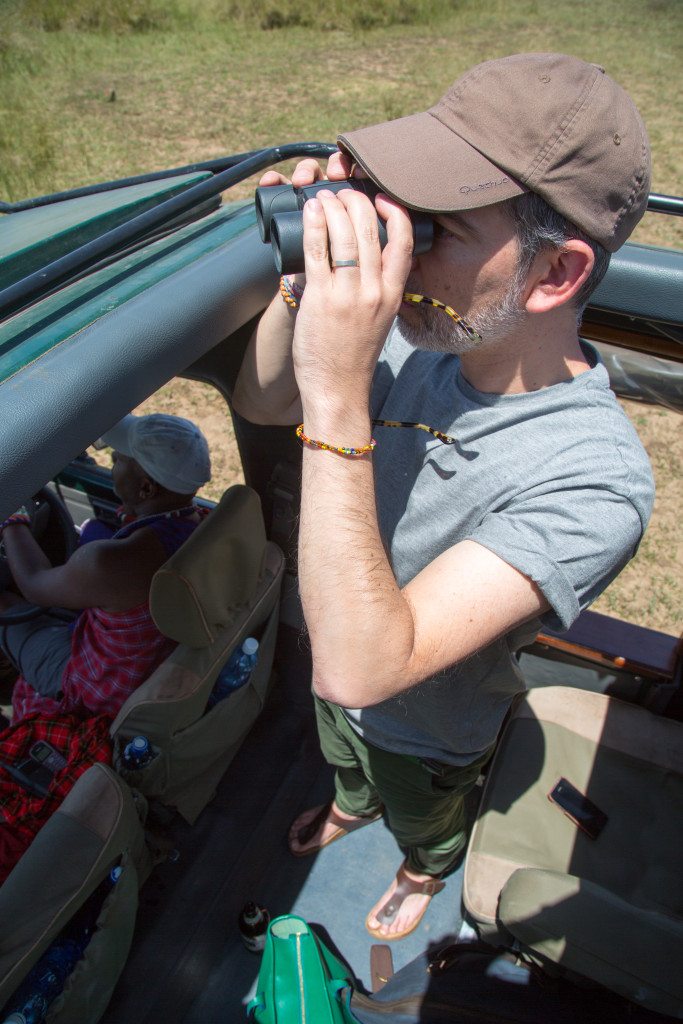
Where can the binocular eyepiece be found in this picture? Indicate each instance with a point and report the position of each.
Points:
(280, 220)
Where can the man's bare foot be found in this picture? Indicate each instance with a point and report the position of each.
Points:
(403, 905)
(320, 826)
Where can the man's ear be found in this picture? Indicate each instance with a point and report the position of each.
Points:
(557, 275)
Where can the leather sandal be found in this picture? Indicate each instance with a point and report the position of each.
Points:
(306, 832)
(405, 886)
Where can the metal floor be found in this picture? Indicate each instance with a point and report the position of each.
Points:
(188, 964)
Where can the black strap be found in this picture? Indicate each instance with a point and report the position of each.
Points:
(284, 490)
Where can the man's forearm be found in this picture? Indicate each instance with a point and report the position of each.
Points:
(372, 640)
(360, 624)
(266, 390)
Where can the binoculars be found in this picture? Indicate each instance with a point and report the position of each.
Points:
(280, 221)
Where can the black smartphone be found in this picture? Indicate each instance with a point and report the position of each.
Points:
(45, 754)
(36, 772)
(578, 808)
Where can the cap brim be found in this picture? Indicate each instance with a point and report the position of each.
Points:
(424, 165)
(120, 436)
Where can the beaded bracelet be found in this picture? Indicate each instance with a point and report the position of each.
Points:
(290, 291)
(325, 447)
(19, 518)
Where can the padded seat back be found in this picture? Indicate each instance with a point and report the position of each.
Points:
(611, 908)
(221, 586)
(97, 826)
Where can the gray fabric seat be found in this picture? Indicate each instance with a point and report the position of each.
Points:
(608, 909)
(99, 824)
(221, 586)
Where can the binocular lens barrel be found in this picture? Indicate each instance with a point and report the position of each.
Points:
(278, 213)
(272, 200)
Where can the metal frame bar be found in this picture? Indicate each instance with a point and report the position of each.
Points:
(35, 285)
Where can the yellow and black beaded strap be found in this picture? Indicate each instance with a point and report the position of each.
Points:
(448, 310)
(444, 438)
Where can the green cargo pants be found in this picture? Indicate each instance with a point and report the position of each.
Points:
(425, 811)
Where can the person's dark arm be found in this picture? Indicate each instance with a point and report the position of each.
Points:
(114, 574)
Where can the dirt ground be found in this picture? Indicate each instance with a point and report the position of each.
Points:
(649, 590)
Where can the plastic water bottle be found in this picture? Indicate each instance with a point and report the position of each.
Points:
(47, 978)
(236, 671)
(47, 981)
(253, 924)
(137, 753)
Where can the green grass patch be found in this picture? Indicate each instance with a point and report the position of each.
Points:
(92, 15)
(92, 91)
(348, 15)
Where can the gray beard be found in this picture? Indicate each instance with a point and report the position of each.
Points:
(437, 332)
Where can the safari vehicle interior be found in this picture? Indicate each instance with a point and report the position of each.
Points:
(108, 292)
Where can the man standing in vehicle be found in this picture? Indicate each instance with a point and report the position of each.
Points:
(93, 664)
(423, 565)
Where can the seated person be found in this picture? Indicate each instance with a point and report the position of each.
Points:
(92, 665)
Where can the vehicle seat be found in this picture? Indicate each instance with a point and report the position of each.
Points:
(98, 825)
(608, 909)
(221, 586)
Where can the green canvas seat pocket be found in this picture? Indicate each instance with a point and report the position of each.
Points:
(90, 985)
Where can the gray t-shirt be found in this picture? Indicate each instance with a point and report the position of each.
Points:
(555, 482)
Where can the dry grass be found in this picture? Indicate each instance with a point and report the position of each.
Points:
(650, 588)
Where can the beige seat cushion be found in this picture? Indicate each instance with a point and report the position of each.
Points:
(96, 825)
(220, 587)
(201, 589)
(578, 924)
(628, 762)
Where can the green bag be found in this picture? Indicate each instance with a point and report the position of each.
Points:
(300, 981)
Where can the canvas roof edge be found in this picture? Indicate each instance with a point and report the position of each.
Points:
(31, 239)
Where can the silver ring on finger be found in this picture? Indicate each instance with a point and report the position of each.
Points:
(344, 263)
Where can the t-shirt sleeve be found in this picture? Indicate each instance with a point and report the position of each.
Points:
(572, 543)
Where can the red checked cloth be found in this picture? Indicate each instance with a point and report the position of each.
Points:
(83, 742)
(111, 654)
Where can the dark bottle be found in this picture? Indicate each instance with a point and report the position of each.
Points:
(253, 925)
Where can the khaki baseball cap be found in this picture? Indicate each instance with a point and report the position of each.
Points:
(541, 122)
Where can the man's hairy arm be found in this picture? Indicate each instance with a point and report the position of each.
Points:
(266, 391)
(371, 639)
(114, 574)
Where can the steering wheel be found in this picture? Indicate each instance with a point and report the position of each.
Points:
(50, 521)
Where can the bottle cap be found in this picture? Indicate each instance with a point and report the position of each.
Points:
(250, 645)
(115, 874)
(139, 745)
(251, 912)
